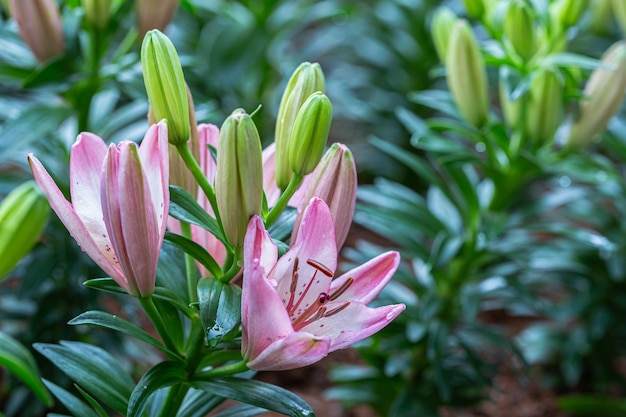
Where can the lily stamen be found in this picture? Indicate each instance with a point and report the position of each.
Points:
(341, 289)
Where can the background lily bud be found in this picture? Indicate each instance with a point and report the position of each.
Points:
(511, 109)
(443, 22)
(601, 16)
(544, 106)
(165, 85)
(23, 215)
(334, 181)
(519, 29)
(619, 9)
(39, 23)
(466, 74)
(97, 12)
(154, 14)
(310, 133)
(569, 11)
(239, 175)
(604, 94)
(306, 80)
(475, 8)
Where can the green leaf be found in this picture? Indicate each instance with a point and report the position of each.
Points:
(220, 308)
(113, 322)
(92, 401)
(241, 410)
(104, 284)
(196, 251)
(184, 207)
(440, 100)
(160, 376)
(593, 405)
(419, 166)
(257, 393)
(170, 269)
(567, 59)
(93, 369)
(18, 360)
(72, 403)
(199, 403)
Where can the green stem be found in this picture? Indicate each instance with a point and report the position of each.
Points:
(230, 369)
(195, 345)
(156, 319)
(196, 171)
(292, 187)
(190, 266)
(174, 399)
(235, 266)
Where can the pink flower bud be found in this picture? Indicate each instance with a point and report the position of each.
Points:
(39, 23)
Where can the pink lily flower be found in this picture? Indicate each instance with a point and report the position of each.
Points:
(120, 201)
(293, 312)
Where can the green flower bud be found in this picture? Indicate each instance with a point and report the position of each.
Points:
(239, 175)
(475, 8)
(601, 16)
(442, 24)
(310, 133)
(570, 11)
(511, 109)
(306, 80)
(604, 94)
(544, 109)
(619, 9)
(23, 215)
(519, 29)
(466, 74)
(97, 12)
(165, 85)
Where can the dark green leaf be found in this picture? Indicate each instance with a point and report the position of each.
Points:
(198, 404)
(257, 393)
(241, 410)
(184, 207)
(110, 321)
(18, 360)
(73, 404)
(196, 251)
(160, 376)
(93, 369)
(104, 284)
(588, 405)
(220, 308)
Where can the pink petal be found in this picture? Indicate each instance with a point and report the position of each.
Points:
(207, 135)
(294, 351)
(352, 323)
(263, 316)
(154, 157)
(272, 192)
(92, 238)
(367, 280)
(316, 254)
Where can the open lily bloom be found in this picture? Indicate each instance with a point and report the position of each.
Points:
(120, 200)
(293, 312)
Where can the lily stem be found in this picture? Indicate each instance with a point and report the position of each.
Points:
(190, 266)
(280, 205)
(196, 171)
(156, 319)
(174, 399)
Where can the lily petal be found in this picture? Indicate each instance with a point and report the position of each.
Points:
(365, 282)
(263, 314)
(352, 322)
(294, 351)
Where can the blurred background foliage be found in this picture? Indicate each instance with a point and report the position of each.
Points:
(489, 232)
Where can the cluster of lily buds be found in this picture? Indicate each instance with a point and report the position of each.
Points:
(603, 96)
(39, 24)
(154, 14)
(23, 215)
(97, 12)
(307, 79)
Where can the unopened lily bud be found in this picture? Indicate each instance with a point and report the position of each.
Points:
(619, 9)
(443, 22)
(519, 29)
(97, 12)
(165, 85)
(23, 215)
(334, 181)
(466, 74)
(544, 109)
(310, 133)
(601, 16)
(154, 14)
(239, 175)
(475, 8)
(39, 24)
(569, 12)
(604, 94)
(511, 109)
(306, 80)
